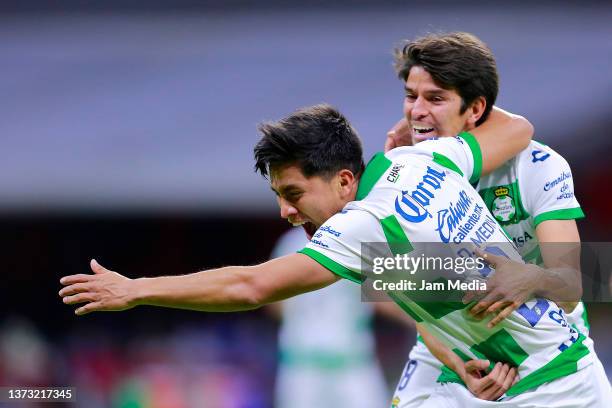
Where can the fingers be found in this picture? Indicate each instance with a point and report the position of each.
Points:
(494, 391)
(88, 308)
(476, 365)
(75, 288)
(79, 298)
(96, 267)
(399, 135)
(485, 303)
(492, 260)
(511, 379)
(390, 142)
(501, 383)
(72, 279)
(503, 314)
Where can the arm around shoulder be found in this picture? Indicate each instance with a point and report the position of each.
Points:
(501, 137)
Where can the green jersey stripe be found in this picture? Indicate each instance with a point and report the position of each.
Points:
(376, 167)
(563, 214)
(444, 161)
(501, 347)
(476, 153)
(332, 265)
(560, 366)
(396, 237)
(585, 317)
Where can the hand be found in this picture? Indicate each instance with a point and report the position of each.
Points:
(509, 287)
(399, 135)
(105, 290)
(491, 386)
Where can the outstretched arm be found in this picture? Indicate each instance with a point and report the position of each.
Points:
(218, 290)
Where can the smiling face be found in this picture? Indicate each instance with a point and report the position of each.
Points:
(433, 111)
(310, 201)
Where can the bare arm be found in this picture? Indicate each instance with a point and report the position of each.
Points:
(560, 249)
(219, 290)
(501, 137)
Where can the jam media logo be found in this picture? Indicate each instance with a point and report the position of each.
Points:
(539, 155)
(566, 175)
(413, 205)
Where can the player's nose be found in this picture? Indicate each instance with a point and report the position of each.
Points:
(418, 108)
(286, 209)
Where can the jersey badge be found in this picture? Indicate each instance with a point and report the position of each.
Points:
(503, 208)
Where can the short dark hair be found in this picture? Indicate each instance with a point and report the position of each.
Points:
(458, 61)
(318, 139)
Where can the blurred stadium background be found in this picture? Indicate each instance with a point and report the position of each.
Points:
(127, 132)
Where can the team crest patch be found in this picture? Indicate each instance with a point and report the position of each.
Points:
(395, 402)
(503, 205)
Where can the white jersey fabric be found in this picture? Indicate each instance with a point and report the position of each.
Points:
(534, 186)
(326, 345)
(422, 194)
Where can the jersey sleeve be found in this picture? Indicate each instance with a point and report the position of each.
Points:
(461, 154)
(337, 244)
(548, 187)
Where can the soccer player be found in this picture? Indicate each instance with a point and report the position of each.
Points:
(314, 161)
(451, 83)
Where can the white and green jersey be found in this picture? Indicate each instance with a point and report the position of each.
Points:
(422, 194)
(535, 186)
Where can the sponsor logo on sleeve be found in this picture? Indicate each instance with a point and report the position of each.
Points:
(329, 229)
(566, 193)
(539, 155)
(316, 239)
(566, 175)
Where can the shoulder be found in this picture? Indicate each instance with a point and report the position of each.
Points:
(538, 156)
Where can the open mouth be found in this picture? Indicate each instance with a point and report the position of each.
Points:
(422, 132)
(309, 228)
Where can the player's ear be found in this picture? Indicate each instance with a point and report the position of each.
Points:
(346, 180)
(476, 110)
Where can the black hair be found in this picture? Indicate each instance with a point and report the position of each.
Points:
(458, 61)
(318, 139)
